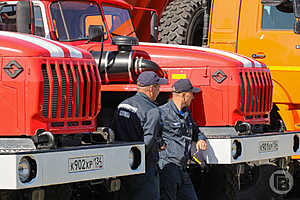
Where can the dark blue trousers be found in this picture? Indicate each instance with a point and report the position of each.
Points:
(175, 184)
(143, 186)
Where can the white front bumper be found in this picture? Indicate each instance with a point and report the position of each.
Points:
(52, 165)
(220, 148)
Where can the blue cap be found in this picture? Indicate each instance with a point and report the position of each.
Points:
(150, 78)
(185, 85)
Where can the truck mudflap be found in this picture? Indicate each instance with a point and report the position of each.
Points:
(74, 164)
(229, 149)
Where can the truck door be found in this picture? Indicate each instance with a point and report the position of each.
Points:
(40, 20)
(8, 15)
(266, 33)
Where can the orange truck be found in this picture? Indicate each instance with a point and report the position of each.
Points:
(266, 30)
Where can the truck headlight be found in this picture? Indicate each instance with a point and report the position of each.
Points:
(135, 158)
(236, 149)
(26, 169)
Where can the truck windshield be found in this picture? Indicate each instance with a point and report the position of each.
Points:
(280, 17)
(118, 21)
(71, 19)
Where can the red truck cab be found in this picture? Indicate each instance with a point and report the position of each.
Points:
(45, 108)
(230, 82)
(49, 139)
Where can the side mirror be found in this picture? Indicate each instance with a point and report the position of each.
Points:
(96, 33)
(297, 8)
(297, 27)
(154, 27)
(23, 20)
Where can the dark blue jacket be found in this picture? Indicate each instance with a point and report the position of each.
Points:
(132, 123)
(178, 132)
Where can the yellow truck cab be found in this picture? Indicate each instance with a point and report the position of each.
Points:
(265, 31)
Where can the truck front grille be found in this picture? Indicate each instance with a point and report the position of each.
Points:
(70, 90)
(256, 92)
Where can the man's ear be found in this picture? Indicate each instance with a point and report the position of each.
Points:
(151, 89)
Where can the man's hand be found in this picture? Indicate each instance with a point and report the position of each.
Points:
(163, 147)
(201, 145)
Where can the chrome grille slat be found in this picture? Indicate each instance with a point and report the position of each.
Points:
(77, 91)
(54, 90)
(91, 91)
(70, 95)
(248, 93)
(63, 91)
(84, 89)
(96, 73)
(261, 92)
(46, 91)
(254, 100)
(265, 92)
(257, 92)
(271, 90)
(242, 92)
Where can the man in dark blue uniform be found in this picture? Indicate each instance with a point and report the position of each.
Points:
(131, 124)
(178, 132)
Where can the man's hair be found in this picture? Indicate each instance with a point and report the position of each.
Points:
(143, 88)
(174, 92)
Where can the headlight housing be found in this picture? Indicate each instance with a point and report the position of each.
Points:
(236, 149)
(296, 143)
(26, 169)
(135, 158)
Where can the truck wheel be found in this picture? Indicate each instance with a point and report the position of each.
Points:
(9, 195)
(185, 22)
(219, 183)
(255, 183)
(59, 192)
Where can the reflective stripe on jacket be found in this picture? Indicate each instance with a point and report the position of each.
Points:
(132, 124)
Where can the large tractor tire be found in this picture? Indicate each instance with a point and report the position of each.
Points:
(220, 182)
(184, 22)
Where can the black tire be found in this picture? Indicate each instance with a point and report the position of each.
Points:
(58, 192)
(219, 183)
(184, 22)
(9, 195)
(260, 188)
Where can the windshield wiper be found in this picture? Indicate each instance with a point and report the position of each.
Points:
(64, 21)
(115, 34)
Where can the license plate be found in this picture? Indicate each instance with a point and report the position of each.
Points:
(268, 146)
(86, 163)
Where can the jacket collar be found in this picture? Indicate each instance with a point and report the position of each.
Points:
(144, 96)
(175, 109)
